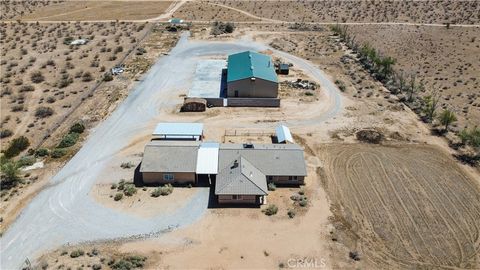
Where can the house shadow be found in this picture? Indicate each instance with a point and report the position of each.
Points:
(137, 177)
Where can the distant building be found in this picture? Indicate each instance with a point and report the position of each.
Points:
(251, 74)
(176, 22)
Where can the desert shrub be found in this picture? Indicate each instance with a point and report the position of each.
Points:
(64, 81)
(17, 108)
(107, 77)
(341, 85)
(118, 196)
(130, 262)
(16, 146)
(43, 112)
(129, 189)
(291, 213)
(303, 202)
(41, 152)
(301, 191)
(77, 128)
(4, 133)
(77, 253)
(121, 184)
(96, 267)
(118, 49)
(37, 77)
(114, 186)
(69, 140)
(51, 99)
(87, 76)
(127, 165)
(222, 28)
(27, 88)
(271, 210)
(308, 93)
(162, 191)
(470, 137)
(58, 153)
(369, 136)
(354, 255)
(26, 161)
(272, 186)
(9, 174)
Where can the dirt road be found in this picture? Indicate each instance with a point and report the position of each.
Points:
(65, 213)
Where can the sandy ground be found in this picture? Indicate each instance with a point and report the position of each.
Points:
(99, 10)
(334, 117)
(404, 206)
(152, 100)
(445, 60)
(91, 109)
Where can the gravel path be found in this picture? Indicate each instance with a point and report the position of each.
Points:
(65, 213)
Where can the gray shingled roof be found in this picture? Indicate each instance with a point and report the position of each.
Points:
(240, 177)
(270, 159)
(170, 156)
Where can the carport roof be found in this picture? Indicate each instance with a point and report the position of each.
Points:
(250, 64)
(178, 129)
(207, 158)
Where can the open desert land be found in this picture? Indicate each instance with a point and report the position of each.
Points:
(72, 88)
(461, 12)
(96, 11)
(405, 202)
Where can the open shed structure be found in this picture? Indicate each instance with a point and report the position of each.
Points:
(283, 134)
(178, 131)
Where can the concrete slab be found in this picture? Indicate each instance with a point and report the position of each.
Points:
(208, 79)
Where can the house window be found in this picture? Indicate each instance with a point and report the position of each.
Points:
(292, 178)
(236, 197)
(168, 177)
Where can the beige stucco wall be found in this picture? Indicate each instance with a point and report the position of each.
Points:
(228, 199)
(157, 178)
(257, 88)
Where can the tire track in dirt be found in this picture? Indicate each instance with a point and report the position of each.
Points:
(411, 206)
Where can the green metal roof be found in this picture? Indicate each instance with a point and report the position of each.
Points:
(250, 64)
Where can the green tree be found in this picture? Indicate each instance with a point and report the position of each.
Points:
(16, 146)
(446, 118)
(431, 105)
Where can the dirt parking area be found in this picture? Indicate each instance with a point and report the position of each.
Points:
(407, 206)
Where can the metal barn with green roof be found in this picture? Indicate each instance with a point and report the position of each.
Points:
(251, 75)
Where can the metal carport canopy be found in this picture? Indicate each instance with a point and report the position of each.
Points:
(207, 158)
